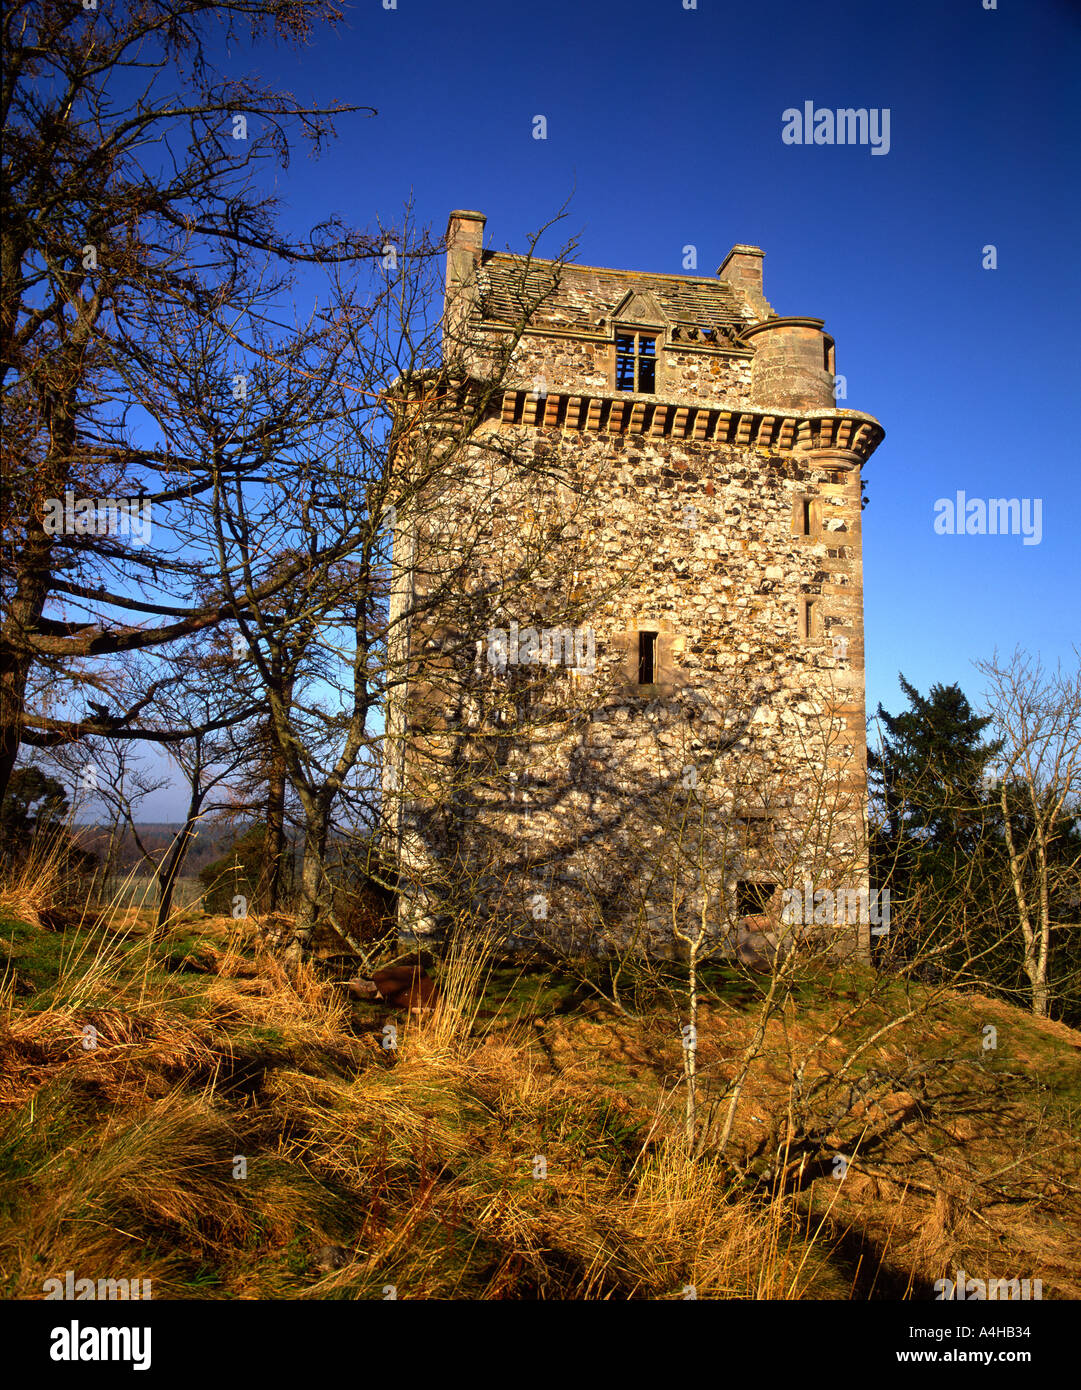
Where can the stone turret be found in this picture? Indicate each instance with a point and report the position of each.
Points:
(793, 364)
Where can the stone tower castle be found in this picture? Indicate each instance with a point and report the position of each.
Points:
(628, 618)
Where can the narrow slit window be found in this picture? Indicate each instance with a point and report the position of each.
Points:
(810, 618)
(806, 516)
(636, 362)
(647, 658)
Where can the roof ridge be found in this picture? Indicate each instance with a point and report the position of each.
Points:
(577, 300)
(712, 281)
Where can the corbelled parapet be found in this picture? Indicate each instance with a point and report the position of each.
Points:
(850, 436)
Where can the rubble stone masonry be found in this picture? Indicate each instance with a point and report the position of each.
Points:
(664, 466)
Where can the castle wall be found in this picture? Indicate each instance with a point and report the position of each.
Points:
(566, 364)
(707, 536)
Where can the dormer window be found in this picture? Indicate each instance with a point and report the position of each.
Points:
(636, 362)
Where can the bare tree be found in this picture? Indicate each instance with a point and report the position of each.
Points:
(1037, 716)
(206, 688)
(105, 773)
(388, 432)
(99, 242)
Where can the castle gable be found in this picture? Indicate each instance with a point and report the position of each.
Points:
(640, 307)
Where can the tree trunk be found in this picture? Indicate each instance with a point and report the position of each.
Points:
(171, 865)
(32, 566)
(12, 695)
(1032, 961)
(275, 826)
(690, 1048)
(109, 869)
(1040, 991)
(14, 673)
(312, 880)
(173, 862)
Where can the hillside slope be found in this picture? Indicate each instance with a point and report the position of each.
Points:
(178, 1111)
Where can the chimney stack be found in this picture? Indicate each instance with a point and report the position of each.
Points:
(743, 267)
(465, 242)
(465, 232)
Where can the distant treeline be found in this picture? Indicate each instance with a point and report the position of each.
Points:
(209, 843)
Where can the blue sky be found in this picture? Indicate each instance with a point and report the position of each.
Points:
(665, 125)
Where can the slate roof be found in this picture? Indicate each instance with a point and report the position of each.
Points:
(582, 295)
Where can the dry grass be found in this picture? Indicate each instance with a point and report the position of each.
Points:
(446, 1033)
(520, 1151)
(33, 884)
